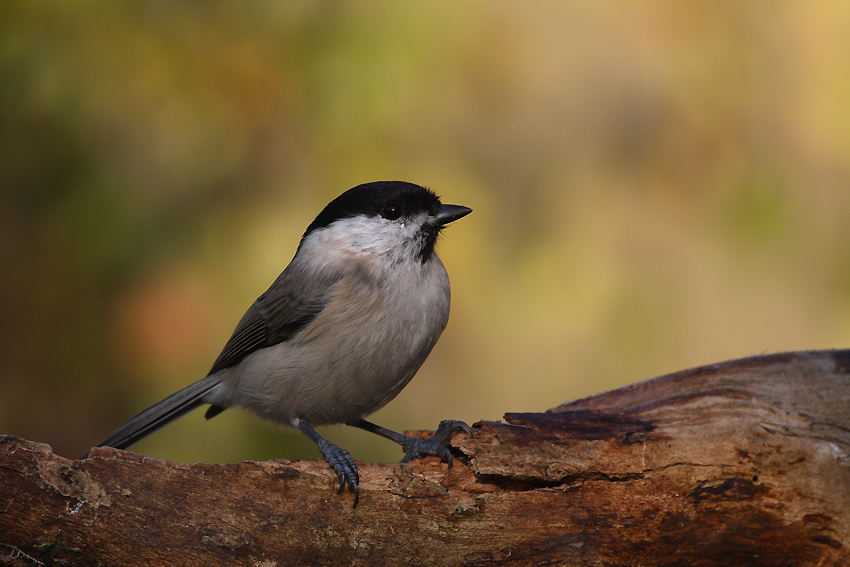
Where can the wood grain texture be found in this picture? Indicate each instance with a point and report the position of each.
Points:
(745, 463)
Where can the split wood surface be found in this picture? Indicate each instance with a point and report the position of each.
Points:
(745, 463)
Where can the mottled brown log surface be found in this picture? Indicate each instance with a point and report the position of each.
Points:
(745, 463)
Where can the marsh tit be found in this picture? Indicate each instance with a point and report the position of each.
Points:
(340, 332)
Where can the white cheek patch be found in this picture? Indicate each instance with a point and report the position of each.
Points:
(375, 236)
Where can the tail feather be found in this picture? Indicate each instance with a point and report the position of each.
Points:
(160, 414)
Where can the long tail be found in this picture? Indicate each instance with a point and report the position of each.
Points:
(158, 415)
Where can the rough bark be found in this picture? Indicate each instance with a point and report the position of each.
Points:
(740, 463)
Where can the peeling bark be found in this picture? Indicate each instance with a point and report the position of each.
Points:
(745, 462)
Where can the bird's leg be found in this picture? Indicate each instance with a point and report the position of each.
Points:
(337, 457)
(415, 447)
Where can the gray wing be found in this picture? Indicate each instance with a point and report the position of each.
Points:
(283, 310)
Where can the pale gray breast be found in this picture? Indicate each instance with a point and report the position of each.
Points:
(356, 355)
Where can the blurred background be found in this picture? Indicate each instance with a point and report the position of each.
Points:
(656, 186)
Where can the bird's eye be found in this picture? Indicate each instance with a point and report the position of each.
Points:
(392, 211)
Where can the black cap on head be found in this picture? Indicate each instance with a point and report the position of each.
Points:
(380, 198)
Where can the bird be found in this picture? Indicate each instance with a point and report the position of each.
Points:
(340, 332)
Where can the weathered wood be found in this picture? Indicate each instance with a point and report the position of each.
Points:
(741, 463)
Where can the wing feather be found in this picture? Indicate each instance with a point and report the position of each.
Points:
(277, 315)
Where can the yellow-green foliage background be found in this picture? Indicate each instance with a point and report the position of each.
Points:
(656, 185)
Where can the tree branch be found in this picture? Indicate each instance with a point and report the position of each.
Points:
(740, 463)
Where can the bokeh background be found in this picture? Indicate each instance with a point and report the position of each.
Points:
(656, 185)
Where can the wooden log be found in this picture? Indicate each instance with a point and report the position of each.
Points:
(745, 462)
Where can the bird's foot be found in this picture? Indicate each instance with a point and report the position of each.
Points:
(435, 445)
(343, 465)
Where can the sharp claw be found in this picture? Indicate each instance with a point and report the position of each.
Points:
(344, 466)
(448, 427)
(435, 445)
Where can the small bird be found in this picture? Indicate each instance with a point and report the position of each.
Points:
(341, 330)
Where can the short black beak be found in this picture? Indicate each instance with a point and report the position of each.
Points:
(449, 213)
